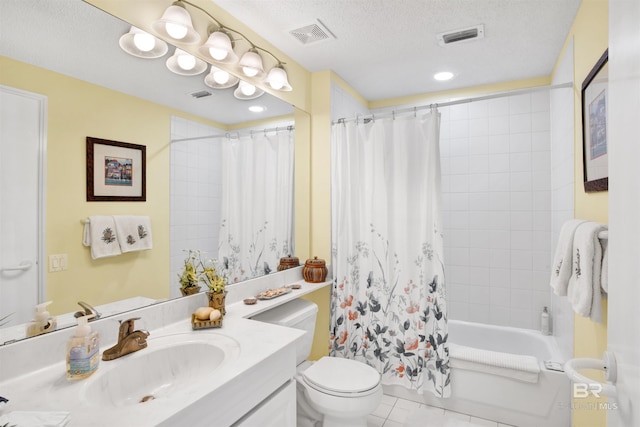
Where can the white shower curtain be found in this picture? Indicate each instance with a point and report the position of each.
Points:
(256, 227)
(388, 304)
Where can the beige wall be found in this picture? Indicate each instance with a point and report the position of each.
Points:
(590, 37)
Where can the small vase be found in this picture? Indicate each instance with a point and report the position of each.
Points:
(190, 290)
(216, 300)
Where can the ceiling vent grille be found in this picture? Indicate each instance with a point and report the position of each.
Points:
(463, 35)
(312, 33)
(201, 94)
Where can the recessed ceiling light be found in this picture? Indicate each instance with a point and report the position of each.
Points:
(256, 108)
(442, 76)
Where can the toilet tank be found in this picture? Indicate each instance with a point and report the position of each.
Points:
(298, 314)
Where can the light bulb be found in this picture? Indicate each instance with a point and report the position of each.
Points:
(249, 71)
(217, 54)
(248, 89)
(144, 41)
(276, 85)
(186, 62)
(221, 77)
(176, 31)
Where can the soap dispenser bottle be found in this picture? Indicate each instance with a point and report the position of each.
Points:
(43, 322)
(83, 350)
(544, 322)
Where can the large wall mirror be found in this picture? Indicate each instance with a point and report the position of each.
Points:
(85, 75)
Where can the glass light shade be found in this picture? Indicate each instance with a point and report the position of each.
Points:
(219, 48)
(176, 24)
(185, 64)
(277, 79)
(247, 91)
(143, 45)
(251, 64)
(220, 79)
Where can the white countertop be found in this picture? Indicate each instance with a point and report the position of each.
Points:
(259, 351)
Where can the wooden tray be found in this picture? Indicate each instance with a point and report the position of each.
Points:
(205, 324)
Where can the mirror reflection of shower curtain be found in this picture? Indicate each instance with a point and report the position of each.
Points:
(388, 304)
(256, 227)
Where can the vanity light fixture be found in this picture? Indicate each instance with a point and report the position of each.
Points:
(142, 44)
(246, 91)
(185, 64)
(176, 24)
(443, 76)
(220, 79)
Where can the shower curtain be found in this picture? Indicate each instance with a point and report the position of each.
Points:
(256, 227)
(388, 304)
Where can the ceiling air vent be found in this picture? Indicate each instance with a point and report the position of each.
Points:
(201, 94)
(463, 35)
(312, 33)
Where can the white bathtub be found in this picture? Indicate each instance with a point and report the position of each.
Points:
(498, 398)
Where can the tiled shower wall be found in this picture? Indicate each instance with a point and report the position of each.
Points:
(195, 193)
(496, 184)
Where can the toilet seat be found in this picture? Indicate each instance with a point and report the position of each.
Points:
(342, 377)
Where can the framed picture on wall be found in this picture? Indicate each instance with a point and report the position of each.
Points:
(115, 171)
(595, 105)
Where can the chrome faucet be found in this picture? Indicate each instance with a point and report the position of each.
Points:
(88, 310)
(129, 340)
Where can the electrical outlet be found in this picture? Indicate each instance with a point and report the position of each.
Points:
(57, 263)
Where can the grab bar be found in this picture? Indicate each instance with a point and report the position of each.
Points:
(606, 364)
(23, 266)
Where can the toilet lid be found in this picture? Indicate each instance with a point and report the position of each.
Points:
(341, 375)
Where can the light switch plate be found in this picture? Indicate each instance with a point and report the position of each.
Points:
(57, 263)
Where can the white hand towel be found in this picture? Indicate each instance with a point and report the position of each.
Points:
(561, 267)
(584, 292)
(36, 419)
(604, 275)
(134, 232)
(100, 235)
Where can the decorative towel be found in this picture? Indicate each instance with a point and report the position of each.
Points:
(100, 235)
(562, 260)
(35, 419)
(134, 232)
(584, 292)
(516, 366)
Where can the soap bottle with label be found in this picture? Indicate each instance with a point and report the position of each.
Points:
(544, 322)
(42, 322)
(83, 350)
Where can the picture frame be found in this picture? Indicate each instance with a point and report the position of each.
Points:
(595, 102)
(116, 171)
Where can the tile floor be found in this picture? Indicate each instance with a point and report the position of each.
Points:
(393, 412)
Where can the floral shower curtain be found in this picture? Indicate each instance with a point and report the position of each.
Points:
(388, 305)
(256, 226)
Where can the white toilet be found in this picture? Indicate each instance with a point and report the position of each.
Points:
(333, 391)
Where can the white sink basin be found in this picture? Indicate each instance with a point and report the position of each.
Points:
(170, 365)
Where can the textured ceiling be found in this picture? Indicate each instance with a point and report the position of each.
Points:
(76, 39)
(388, 48)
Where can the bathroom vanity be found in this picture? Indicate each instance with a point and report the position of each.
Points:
(238, 374)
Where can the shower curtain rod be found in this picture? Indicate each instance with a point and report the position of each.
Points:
(236, 134)
(393, 113)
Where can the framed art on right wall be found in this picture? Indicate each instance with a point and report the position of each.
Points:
(595, 99)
